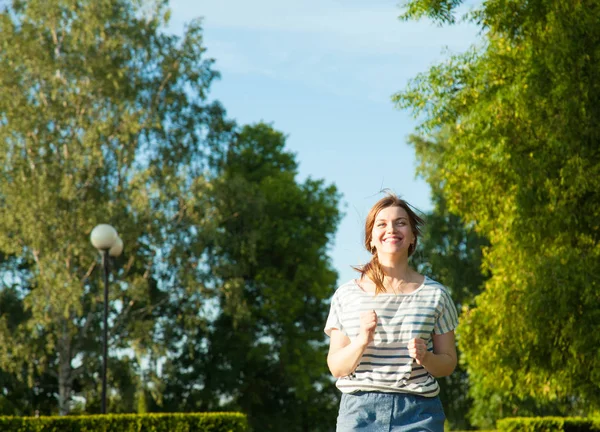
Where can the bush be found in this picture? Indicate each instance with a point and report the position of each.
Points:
(193, 422)
(548, 424)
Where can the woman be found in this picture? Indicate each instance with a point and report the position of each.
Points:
(391, 332)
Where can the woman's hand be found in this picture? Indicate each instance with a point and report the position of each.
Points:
(442, 361)
(368, 324)
(344, 355)
(417, 349)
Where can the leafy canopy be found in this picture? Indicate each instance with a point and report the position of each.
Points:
(521, 162)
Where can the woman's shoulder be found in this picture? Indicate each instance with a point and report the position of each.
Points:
(346, 288)
(435, 285)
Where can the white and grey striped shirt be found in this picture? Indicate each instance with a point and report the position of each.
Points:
(385, 364)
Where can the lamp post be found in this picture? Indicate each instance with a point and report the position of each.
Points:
(105, 238)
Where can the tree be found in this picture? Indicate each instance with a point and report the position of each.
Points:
(22, 392)
(264, 353)
(521, 162)
(103, 118)
(451, 252)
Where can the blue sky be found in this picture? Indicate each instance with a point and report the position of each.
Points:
(323, 72)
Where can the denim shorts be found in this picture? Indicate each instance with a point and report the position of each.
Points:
(384, 412)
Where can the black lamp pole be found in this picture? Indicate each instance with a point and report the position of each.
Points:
(106, 240)
(105, 265)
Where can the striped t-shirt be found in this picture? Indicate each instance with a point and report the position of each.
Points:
(385, 365)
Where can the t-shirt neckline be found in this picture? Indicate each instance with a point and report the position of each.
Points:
(420, 287)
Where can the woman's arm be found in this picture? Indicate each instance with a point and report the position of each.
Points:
(442, 361)
(344, 355)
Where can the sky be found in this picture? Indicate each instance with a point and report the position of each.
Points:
(323, 72)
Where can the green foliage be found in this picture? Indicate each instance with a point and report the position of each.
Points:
(103, 119)
(264, 352)
(548, 424)
(451, 252)
(17, 397)
(219, 298)
(193, 422)
(440, 11)
(520, 161)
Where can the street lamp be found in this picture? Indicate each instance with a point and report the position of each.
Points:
(105, 238)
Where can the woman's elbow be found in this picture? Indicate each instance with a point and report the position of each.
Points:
(447, 370)
(337, 374)
(444, 373)
(335, 370)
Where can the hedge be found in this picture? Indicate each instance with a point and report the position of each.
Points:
(548, 424)
(178, 422)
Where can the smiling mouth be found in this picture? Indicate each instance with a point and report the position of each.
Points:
(392, 239)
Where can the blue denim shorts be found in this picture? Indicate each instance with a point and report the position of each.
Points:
(384, 412)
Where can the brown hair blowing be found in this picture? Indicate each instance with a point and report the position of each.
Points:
(373, 269)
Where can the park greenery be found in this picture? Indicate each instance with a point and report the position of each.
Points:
(509, 135)
(173, 422)
(219, 301)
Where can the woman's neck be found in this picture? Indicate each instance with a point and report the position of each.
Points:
(395, 267)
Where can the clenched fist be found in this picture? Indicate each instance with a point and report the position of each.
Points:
(368, 324)
(417, 349)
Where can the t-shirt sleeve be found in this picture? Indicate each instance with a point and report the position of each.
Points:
(447, 319)
(334, 320)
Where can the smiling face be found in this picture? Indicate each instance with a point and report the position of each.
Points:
(392, 232)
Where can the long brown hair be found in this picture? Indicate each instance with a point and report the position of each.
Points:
(373, 269)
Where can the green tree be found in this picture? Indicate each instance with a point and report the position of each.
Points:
(21, 392)
(521, 162)
(451, 252)
(103, 118)
(264, 352)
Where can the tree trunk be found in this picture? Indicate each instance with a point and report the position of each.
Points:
(65, 374)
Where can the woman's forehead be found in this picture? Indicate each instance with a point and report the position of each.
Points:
(394, 212)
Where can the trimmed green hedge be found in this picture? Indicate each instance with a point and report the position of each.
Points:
(179, 422)
(548, 424)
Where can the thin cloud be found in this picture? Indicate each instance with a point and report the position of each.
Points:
(353, 27)
(351, 48)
